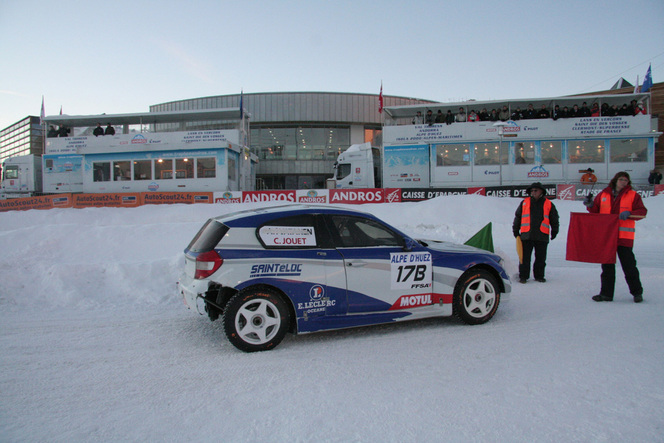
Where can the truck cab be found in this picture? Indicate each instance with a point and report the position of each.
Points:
(358, 167)
(22, 176)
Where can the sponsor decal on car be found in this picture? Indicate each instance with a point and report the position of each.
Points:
(276, 270)
(288, 235)
(411, 270)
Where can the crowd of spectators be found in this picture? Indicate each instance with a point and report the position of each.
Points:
(529, 113)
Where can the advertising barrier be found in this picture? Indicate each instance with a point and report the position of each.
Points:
(310, 196)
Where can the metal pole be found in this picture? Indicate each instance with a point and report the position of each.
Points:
(500, 156)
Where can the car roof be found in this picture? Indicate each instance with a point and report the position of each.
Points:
(261, 215)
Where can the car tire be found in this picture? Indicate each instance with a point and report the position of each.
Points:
(476, 297)
(256, 320)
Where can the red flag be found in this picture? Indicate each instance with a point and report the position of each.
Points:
(380, 99)
(592, 238)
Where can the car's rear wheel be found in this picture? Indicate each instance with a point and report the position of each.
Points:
(476, 297)
(256, 320)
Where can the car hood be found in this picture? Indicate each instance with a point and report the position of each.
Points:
(445, 246)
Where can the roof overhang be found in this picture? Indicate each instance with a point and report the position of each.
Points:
(146, 118)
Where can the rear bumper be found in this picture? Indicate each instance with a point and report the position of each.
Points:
(193, 292)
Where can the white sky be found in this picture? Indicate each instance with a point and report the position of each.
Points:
(123, 56)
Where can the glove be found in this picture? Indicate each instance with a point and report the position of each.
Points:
(624, 215)
(589, 201)
(516, 235)
(553, 235)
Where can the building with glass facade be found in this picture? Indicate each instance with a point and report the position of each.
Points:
(22, 138)
(298, 135)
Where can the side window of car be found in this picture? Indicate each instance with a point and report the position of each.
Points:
(289, 232)
(357, 232)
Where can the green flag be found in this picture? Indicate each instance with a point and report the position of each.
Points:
(483, 239)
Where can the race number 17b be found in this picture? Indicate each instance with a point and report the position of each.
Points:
(417, 272)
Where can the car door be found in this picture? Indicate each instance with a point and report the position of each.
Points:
(302, 262)
(381, 274)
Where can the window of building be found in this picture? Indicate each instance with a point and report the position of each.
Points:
(184, 168)
(551, 152)
(455, 154)
(163, 169)
(524, 153)
(232, 168)
(206, 168)
(488, 153)
(101, 171)
(586, 151)
(122, 170)
(143, 170)
(629, 150)
(301, 143)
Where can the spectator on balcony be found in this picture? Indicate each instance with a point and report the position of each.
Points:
(98, 130)
(557, 113)
(543, 112)
(461, 116)
(517, 114)
(493, 116)
(110, 130)
(449, 117)
(484, 115)
(584, 111)
(418, 119)
(440, 117)
(504, 114)
(472, 117)
(63, 131)
(594, 111)
(575, 112)
(529, 113)
(429, 119)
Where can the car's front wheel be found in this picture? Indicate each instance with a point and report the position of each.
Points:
(476, 297)
(256, 320)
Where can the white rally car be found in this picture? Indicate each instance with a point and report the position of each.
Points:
(305, 268)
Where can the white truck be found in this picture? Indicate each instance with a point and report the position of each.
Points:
(21, 176)
(359, 166)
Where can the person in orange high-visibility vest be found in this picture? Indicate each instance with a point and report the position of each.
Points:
(535, 219)
(619, 198)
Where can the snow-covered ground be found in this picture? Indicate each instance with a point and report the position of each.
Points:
(96, 346)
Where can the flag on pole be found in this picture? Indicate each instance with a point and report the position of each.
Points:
(60, 109)
(647, 81)
(636, 86)
(380, 99)
(42, 116)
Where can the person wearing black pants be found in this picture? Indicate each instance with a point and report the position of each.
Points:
(534, 220)
(619, 198)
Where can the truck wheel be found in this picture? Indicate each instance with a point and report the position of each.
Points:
(476, 297)
(256, 320)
